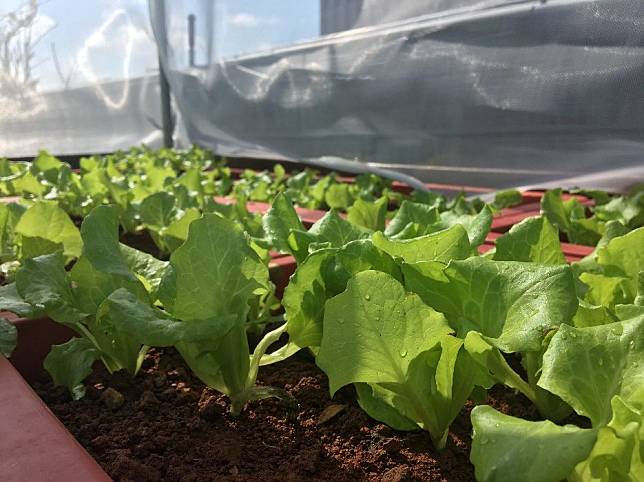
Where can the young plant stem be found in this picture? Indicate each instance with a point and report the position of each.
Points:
(506, 375)
(237, 402)
(268, 339)
(111, 364)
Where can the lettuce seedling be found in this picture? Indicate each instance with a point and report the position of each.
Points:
(206, 293)
(285, 231)
(611, 273)
(369, 215)
(165, 221)
(410, 220)
(506, 199)
(413, 220)
(325, 274)
(598, 371)
(410, 372)
(570, 217)
(501, 307)
(76, 299)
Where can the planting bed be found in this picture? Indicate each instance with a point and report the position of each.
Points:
(382, 308)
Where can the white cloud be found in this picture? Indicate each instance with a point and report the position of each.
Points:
(249, 20)
(244, 20)
(42, 25)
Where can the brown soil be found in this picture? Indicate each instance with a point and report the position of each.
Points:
(170, 427)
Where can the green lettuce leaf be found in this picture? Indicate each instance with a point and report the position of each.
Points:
(157, 210)
(43, 282)
(477, 225)
(152, 326)
(451, 243)
(10, 300)
(70, 363)
(512, 304)
(376, 333)
(507, 198)
(375, 330)
(45, 228)
(336, 231)
(368, 215)
(534, 239)
(586, 367)
(279, 221)
(570, 217)
(228, 272)
(590, 315)
(617, 453)
(624, 257)
(411, 213)
(611, 274)
(329, 232)
(505, 447)
(324, 274)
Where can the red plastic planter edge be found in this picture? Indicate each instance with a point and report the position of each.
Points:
(34, 444)
(508, 217)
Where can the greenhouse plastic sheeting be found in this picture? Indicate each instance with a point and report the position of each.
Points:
(77, 77)
(491, 93)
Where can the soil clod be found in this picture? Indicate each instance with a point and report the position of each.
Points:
(112, 399)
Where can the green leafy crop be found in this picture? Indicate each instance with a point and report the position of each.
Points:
(390, 296)
(206, 294)
(586, 225)
(76, 298)
(598, 371)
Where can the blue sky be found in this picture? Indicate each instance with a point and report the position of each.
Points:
(98, 40)
(245, 26)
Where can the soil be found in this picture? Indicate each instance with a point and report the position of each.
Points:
(143, 242)
(169, 426)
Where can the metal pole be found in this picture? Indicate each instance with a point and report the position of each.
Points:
(191, 39)
(209, 20)
(166, 106)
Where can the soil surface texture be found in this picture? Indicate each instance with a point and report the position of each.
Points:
(165, 425)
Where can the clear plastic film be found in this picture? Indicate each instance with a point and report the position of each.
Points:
(77, 77)
(489, 93)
